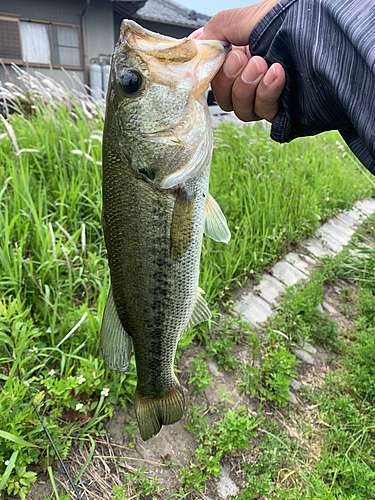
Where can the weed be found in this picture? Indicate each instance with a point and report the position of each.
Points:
(142, 486)
(299, 317)
(230, 432)
(227, 332)
(200, 379)
(271, 380)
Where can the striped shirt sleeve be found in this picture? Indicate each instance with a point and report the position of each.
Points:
(327, 48)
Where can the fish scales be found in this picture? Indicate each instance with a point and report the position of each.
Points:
(156, 165)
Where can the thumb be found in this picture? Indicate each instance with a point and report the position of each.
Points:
(235, 25)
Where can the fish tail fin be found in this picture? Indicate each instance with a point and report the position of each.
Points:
(152, 413)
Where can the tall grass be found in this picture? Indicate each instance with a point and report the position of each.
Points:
(53, 266)
(273, 197)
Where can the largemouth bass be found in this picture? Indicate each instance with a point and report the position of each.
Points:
(157, 147)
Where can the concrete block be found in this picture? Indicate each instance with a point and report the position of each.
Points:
(254, 308)
(330, 241)
(304, 356)
(340, 236)
(354, 214)
(329, 308)
(270, 288)
(341, 226)
(316, 247)
(349, 221)
(288, 274)
(366, 206)
(226, 487)
(300, 262)
(308, 259)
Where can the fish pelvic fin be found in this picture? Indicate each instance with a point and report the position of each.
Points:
(153, 412)
(182, 223)
(115, 344)
(215, 225)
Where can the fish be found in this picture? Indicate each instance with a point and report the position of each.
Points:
(157, 147)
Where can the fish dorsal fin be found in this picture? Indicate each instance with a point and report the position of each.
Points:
(215, 224)
(115, 343)
(200, 312)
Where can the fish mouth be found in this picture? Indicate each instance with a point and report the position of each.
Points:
(201, 59)
(211, 57)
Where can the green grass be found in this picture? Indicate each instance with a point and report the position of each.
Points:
(273, 197)
(53, 270)
(330, 453)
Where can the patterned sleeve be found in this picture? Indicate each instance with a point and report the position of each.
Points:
(327, 48)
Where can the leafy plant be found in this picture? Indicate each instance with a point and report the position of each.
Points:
(142, 486)
(200, 379)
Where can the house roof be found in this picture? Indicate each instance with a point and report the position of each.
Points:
(164, 11)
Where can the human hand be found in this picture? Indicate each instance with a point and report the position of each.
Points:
(244, 84)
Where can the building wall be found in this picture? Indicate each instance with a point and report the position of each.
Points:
(98, 19)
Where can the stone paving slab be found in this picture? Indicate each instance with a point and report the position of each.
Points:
(304, 356)
(335, 234)
(330, 241)
(254, 308)
(366, 206)
(288, 274)
(347, 229)
(270, 288)
(349, 221)
(317, 248)
(301, 262)
(354, 214)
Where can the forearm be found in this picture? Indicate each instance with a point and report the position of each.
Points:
(327, 50)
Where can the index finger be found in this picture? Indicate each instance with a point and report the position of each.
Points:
(235, 25)
(229, 26)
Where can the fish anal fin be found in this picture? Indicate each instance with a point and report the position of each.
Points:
(215, 224)
(154, 412)
(115, 343)
(182, 223)
(200, 312)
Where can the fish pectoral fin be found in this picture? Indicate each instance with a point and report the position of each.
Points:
(115, 343)
(215, 224)
(200, 312)
(155, 411)
(182, 223)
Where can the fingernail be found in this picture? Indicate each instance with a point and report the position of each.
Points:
(270, 76)
(232, 65)
(252, 71)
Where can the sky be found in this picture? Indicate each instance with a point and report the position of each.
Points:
(211, 7)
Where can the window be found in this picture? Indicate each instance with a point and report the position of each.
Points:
(10, 46)
(35, 43)
(66, 46)
(39, 43)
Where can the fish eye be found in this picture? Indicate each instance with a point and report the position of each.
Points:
(130, 81)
